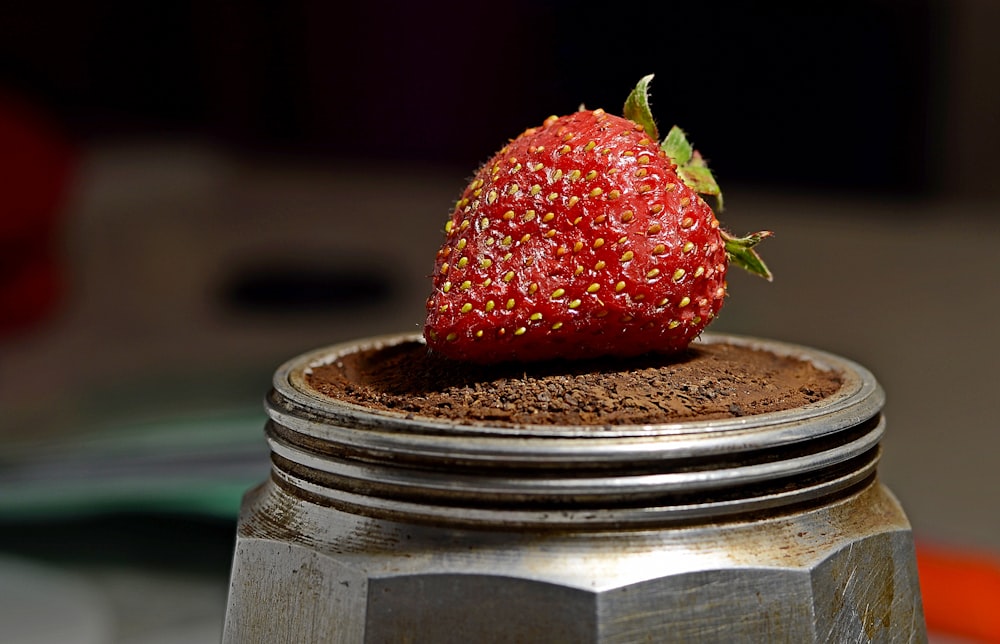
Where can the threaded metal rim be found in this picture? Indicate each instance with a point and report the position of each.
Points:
(390, 464)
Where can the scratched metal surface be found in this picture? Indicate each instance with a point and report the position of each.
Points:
(379, 526)
(307, 573)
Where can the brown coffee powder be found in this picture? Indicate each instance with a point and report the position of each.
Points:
(708, 381)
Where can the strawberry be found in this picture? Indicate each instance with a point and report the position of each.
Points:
(584, 237)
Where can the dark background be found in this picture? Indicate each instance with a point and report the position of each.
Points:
(845, 96)
(234, 158)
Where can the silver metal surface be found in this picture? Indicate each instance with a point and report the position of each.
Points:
(383, 527)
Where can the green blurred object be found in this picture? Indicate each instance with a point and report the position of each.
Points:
(187, 465)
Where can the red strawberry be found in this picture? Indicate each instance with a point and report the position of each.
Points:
(581, 238)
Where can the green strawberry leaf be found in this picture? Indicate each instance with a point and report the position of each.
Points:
(677, 147)
(637, 107)
(691, 166)
(699, 178)
(741, 252)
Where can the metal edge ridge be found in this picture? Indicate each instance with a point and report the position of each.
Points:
(860, 398)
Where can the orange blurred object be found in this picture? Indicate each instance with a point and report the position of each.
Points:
(36, 166)
(961, 592)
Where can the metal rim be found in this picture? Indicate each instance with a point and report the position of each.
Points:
(343, 453)
(320, 417)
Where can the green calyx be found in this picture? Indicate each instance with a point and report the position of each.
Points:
(691, 166)
(741, 252)
(694, 172)
(637, 107)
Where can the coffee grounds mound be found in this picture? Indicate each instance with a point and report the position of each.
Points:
(708, 381)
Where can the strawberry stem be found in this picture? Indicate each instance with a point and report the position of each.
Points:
(741, 252)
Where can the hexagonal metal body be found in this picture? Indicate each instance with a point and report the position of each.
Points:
(380, 528)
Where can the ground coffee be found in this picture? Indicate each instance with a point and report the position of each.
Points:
(708, 381)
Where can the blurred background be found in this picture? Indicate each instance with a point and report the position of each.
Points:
(193, 192)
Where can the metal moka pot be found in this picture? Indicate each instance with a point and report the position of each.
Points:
(377, 526)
